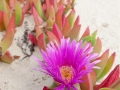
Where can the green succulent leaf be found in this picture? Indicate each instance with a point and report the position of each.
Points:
(107, 89)
(108, 66)
(91, 38)
(71, 18)
(116, 84)
(18, 13)
(3, 6)
(102, 64)
(38, 6)
(9, 35)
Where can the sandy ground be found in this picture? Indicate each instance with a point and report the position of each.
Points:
(101, 15)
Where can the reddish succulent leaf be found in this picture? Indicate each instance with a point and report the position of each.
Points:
(74, 33)
(57, 32)
(47, 7)
(52, 37)
(86, 33)
(21, 1)
(111, 78)
(108, 66)
(6, 58)
(1, 21)
(26, 7)
(38, 7)
(12, 3)
(6, 19)
(102, 64)
(9, 35)
(32, 39)
(58, 17)
(38, 31)
(87, 84)
(77, 21)
(37, 18)
(70, 18)
(41, 42)
(46, 88)
(66, 29)
(51, 18)
(93, 76)
(98, 46)
(116, 84)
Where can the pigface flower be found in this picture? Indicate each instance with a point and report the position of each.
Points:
(66, 62)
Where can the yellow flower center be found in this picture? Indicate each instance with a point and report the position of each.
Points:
(66, 73)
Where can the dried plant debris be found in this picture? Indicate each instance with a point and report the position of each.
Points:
(25, 44)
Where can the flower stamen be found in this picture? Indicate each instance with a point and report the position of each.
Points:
(66, 73)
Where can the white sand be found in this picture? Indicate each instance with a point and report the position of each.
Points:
(101, 15)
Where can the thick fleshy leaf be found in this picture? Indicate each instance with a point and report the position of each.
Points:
(91, 38)
(58, 17)
(6, 19)
(9, 35)
(102, 64)
(66, 28)
(98, 46)
(7, 57)
(3, 6)
(57, 32)
(71, 17)
(87, 84)
(18, 13)
(1, 21)
(93, 76)
(37, 18)
(116, 84)
(67, 8)
(77, 21)
(52, 37)
(74, 33)
(47, 7)
(12, 3)
(51, 17)
(111, 78)
(26, 7)
(106, 89)
(108, 66)
(86, 33)
(38, 31)
(32, 39)
(38, 6)
(41, 42)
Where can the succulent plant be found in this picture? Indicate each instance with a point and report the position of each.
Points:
(9, 20)
(55, 19)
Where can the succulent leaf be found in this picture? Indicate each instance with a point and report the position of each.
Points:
(87, 84)
(98, 46)
(74, 33)
(108, 66)
(71, 17)
(7, 57)
(41, 42)
(9, 35)
(102, 64)
(52, 37)
(57, 32)
(18, 13)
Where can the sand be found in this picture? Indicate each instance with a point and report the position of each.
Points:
(101, 15)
